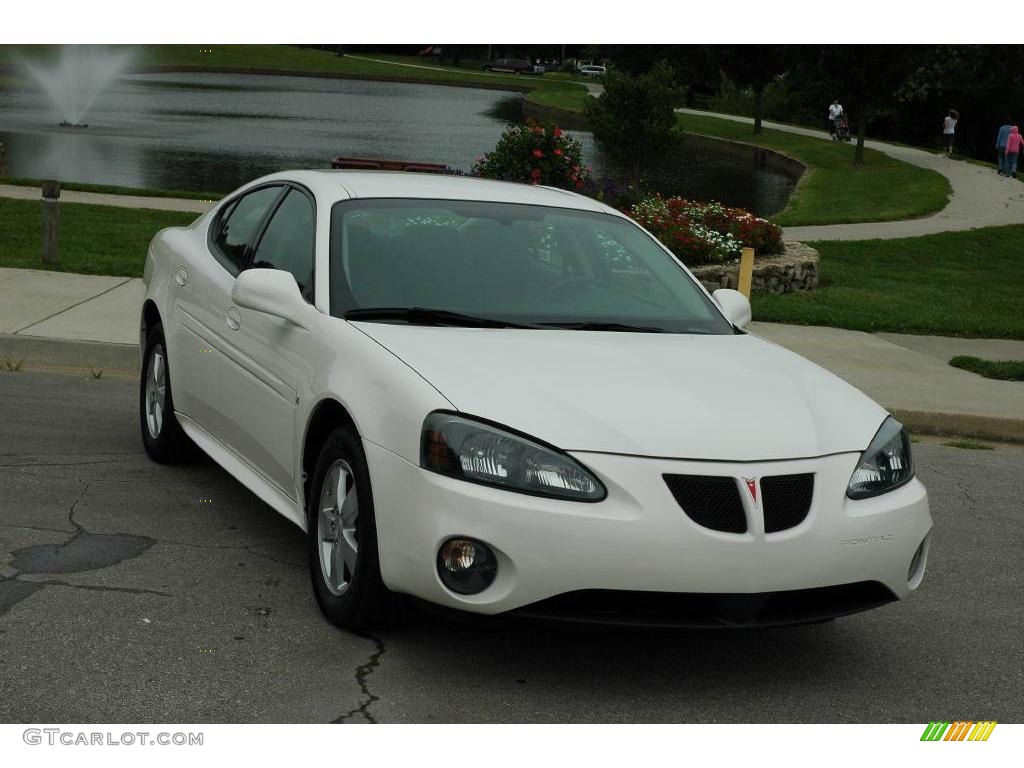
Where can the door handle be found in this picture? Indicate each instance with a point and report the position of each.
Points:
(181, 276)
(233, 319)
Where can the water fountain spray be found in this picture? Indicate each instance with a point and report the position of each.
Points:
(77, 78)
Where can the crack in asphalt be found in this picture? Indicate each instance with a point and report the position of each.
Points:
(95, 587)
(82, 551)
(59, 463)
(79, 530)
(249, 549)
(34, 528)
(958, 484)
(363, 672)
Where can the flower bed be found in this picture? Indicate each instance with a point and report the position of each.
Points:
(535, 154)
(705, 233)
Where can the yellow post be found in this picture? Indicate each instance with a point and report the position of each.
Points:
(746, 271)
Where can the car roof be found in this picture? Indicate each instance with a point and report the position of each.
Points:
(331, 186)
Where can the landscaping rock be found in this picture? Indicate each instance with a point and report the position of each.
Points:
(795, 271)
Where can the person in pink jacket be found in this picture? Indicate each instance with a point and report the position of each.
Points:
(1014, 146)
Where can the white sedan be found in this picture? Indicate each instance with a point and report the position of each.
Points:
(504, 398)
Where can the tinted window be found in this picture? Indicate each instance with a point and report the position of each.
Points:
(241, 222)
(287, 242)
(509, 262)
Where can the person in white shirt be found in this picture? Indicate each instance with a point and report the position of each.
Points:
(834, 113)
(949, 130)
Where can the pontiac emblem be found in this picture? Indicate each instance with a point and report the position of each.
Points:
(752, 487)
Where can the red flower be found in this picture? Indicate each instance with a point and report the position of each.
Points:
(558, 152)
(557, 132)
(537, 153)
(535, 173)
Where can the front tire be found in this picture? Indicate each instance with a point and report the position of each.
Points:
(342, 538)
(162, 436)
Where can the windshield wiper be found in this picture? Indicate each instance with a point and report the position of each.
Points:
(594, 325)
(424, 316)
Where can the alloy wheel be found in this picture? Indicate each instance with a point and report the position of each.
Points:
(156, 391)
(336, 527)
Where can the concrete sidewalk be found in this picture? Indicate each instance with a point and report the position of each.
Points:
(16, 192)
(53, 318)
(981, 198)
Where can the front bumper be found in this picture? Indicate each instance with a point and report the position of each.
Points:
(638, 539)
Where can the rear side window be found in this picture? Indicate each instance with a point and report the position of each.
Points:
(240, 224)
(287, 242)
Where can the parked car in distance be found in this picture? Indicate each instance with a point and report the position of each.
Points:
(511, 399)
(519, 66)
(592, 70)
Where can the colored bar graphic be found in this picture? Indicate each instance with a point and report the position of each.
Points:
(959, 730)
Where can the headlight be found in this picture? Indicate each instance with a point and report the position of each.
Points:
(885, 465)
(482, 453)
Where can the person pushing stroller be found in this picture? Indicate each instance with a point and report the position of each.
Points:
(835, 117)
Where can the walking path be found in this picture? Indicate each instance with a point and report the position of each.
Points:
(118, 201)
(981, 198)
(55, 318)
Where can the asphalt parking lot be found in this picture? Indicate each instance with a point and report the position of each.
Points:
(133, 592)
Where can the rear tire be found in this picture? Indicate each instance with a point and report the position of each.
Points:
(342, 538)
(162, 435)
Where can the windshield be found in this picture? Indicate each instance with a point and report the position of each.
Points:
(521, 265)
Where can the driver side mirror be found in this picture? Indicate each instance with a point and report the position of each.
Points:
(735, 306)
(273, 292)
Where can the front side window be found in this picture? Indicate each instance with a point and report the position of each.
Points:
(287, 242)
(239, 223)
(519, 264)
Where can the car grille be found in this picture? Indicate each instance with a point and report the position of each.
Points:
(712, 502)
(786, 500)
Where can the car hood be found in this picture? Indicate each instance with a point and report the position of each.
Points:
(723, 398)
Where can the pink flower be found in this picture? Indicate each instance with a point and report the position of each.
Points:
(535, 173)
(537, 153)
(557, 132)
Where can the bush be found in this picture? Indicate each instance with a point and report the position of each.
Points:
(535, 154)
(634, 119)
(705, 233)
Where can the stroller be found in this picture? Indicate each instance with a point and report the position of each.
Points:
(842, 129)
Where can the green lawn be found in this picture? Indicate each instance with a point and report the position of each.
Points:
(1010, 370)
(94, 239)
(955, 284)
(834, 190)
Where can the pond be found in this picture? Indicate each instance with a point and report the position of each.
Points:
(213, 132)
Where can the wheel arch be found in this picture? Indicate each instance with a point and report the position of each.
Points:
(326, 415)
(149, 317)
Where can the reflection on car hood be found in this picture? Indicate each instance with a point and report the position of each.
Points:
(727, 398)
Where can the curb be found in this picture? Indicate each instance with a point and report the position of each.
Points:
(961, 425)
(40, 350)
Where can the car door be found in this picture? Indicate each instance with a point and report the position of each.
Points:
(272, 351)
(206, 356)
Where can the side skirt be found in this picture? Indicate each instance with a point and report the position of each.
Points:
(244, 472)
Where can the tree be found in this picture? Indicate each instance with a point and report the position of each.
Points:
(634, 119)
(755, 66)
(869, 76)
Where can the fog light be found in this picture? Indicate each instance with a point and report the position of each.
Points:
(466, 566)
